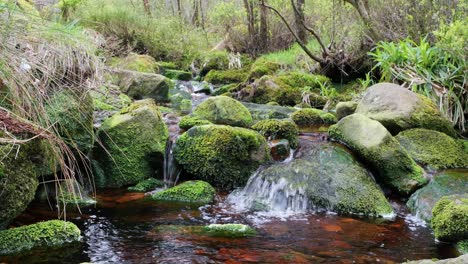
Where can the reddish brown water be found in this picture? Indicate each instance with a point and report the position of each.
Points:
(124, 228)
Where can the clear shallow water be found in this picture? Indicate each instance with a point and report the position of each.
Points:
(126, 228)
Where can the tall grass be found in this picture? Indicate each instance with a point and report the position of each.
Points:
(162, 36)
(38, 59)
(428, 70)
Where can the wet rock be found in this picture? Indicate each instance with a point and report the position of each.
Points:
(280, 149)
(54, 233)
(221, 155)
(147, 185)
(273, 129)
(445, 183)
(229, 230)
(313, 119)
(433, 149)
(188, 122)
(133, 145)
(71, 192)
(263, 111)
(460, 260)
(399, 109)
(145, 85)
(375, 145)
(188, 192)
(223, 110)
(344, 109)
(450, 218)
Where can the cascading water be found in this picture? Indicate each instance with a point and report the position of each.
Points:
(171, 169)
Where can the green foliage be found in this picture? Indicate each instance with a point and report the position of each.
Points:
(146, 185)
(221, 155)
(278, 129)
(450, 218)
(199, 192)
(429, 70)
(52, 233)
(452, 38)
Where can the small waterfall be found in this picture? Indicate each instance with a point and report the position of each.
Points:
(276, 197)
(171, 169)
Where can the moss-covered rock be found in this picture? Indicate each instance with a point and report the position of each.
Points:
(180, 103)
(229, 230)
(278, 129)
(54, 233)
(20, 167)
(262, 112)
(136, 62)
(445, 183)
(217, 60)
(223, 110)
(188, 192)
(145, 85)
(312, 118)
(433, 149)
(344, 109)
(301, 80)
(109, 98)
(327, 175)
(221, 155)
(399, 109)
(147, 185)
(178, 75)
(262, 67)
(462, 247)
(226, 89)
(132, 145)
(72, 114)
(188, 122)
(450, 218)
(70, 191)
(389, 161)
(226, 76)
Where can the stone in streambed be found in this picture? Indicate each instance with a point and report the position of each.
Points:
(188, 192)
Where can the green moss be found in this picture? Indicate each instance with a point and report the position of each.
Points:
(344, 109)
(450, 218)
(262, 67)
(189, 192)
(301, 80)
(226, 89)
(136, 139)
(278, 129)
(310, 118)
(180, 103)
(168, 65)
(147, 185)
(52, 233)
(229, 230)
(224, 110)
(226, 77)
(188, 122)
(221, 155)
(428, 116)
(136, 62)
(70, 191)
(262, 112)
(433, 149)
(218, 60)
(462, 247)
(178, 75)
(376, 146)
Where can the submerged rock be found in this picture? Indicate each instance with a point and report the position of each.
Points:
(146, 185)
(450, 218)
(133, 145)
(52, 233)
(221, 155)
(375, 145)
(399, 109)
(445, 183)
(229, 230)
(188, 192)
(433, 149)
(223, 110)
(280, 149)
(325, 177)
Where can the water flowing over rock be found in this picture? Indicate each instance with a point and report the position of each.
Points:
(325, 177)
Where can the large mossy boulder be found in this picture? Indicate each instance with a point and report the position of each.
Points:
(451, 182)
(268, 111)
(450, 221)
(223, 110)
(139, 85)
(372, 142)
(399, 109)
(20, 167)
(311, 118)
(188, 192)
(54, 233)
(135, 62)
(72, 114)
(433, 149)
(132, 145)
(327, 176)
(226, 76)
(221, 155)
(273, 129)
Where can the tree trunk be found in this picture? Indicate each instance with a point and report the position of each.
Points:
(147, 7)
(248, 5)
(300, 20)
(362, 6)
(263, 34)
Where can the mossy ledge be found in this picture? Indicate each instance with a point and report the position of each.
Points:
(52, 233)
(188, 192)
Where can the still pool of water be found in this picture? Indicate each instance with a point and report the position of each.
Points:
(127, 228)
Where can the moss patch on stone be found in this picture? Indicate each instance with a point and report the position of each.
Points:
(262, 67)
(301, 80)
(146, 185)
(188, 192)
(229, 230)
(136, 62)
(226, 77)
(344, 109)
(462, 247)
(221, 155)
(178, 75)
(52, 233)
(223, 110)
(217, 60)
(313, 119)
(278, 129)
(433, 149)
(189, 121)
(450, 218)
